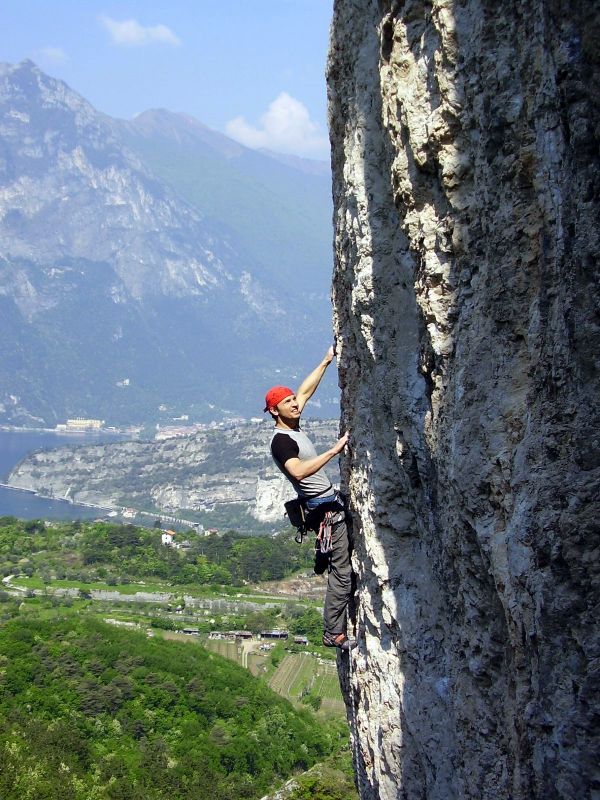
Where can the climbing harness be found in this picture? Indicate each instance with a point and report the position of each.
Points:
(301, 517)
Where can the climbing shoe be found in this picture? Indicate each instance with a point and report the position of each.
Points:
(339, 640)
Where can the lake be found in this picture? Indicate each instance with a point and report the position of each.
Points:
(14, 446)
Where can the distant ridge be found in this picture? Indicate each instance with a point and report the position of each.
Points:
(310, 166)
(182, 129)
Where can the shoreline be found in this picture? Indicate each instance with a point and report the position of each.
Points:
(103, 507)
(118, 511)
(103, 431)
(35, 493)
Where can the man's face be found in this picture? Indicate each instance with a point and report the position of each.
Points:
(288, 408)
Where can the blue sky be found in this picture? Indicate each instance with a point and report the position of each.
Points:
(253, 69)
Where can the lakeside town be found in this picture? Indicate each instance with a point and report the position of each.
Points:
(83, 425)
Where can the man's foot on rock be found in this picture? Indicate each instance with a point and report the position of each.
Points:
(339, 640)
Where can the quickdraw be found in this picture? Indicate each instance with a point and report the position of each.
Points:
(325, 535)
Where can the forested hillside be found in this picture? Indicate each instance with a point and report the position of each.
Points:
(90, 711)
(99, 551)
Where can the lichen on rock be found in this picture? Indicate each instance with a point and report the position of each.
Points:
(465, 143)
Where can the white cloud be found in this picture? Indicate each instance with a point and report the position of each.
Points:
(285, 127)
(130, 33)
(55, 54)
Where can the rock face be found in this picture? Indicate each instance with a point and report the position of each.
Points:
(465, 152)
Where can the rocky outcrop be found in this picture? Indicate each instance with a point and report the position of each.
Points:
(465, 152)
(224, 470)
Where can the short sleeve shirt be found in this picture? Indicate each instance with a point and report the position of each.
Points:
(296, 444)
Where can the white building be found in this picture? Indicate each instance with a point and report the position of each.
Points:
(167, 538)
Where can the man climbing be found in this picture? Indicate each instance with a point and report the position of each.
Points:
(295, 455)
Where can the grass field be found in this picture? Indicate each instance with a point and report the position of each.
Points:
(298, 673)
(302, 672)
(223, 648)
(256, 664)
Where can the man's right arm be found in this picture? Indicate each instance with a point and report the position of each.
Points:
(309, 385)
(303, 468)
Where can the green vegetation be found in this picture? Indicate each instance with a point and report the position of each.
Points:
(90, 711)
(114, 555)
(88, 557)
(292, 672)
(329, 781)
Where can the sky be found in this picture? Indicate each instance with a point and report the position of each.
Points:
(253, 69)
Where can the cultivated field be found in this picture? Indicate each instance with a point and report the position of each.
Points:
(224, 648)
(301, 673)
(298, 674)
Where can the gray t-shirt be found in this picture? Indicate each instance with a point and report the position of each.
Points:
(287, 444)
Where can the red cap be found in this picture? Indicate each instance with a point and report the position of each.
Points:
(275, 395)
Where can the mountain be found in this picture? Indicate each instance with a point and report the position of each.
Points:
(220, 476)
(150, 263)
(278, 206)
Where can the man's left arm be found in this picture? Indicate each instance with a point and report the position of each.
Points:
(309, 385)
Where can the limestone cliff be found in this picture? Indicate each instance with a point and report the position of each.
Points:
(465, 151)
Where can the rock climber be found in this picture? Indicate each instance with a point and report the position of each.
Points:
(296, 457)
